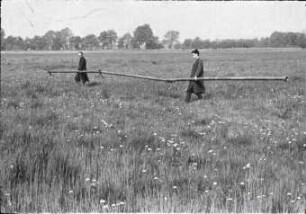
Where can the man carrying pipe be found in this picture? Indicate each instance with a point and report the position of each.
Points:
(81, 76)
(196, 86)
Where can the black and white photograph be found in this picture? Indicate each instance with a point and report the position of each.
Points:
(131, 106)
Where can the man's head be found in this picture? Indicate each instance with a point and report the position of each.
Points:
(80, 53)
(195, 53)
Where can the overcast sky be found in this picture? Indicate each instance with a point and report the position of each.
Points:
(207, 20)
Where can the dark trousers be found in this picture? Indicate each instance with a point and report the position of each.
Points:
(188, 96)
(81, 77)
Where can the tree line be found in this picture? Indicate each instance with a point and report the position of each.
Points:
(276, 39)
(142, 38)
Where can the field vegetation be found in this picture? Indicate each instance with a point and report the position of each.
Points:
(128, 145)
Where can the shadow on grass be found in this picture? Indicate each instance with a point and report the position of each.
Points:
(166, 93)
(93, 84)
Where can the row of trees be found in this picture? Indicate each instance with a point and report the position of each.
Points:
(277, 39)
(65, 40)
(142, 37)
(59, 40)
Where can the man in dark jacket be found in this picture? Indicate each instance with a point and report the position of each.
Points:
(81, 76)
(196, 86)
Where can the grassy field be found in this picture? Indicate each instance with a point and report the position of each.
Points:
(129, 145)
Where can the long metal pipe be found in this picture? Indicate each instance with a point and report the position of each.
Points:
(249, 78)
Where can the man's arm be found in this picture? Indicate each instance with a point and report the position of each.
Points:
(82, 64)
(199, 69)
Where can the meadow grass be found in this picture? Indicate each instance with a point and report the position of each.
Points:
(128, 145)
